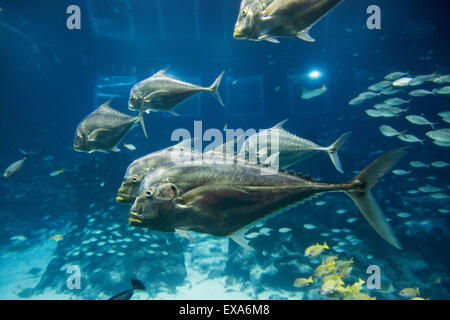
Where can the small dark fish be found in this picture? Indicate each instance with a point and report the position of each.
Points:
(225, 199)
(162, 92)
(16, 166)
(103, 129)
(127, 294)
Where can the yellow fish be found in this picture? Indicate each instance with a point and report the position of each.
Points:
(324, 269)
(357, 286)
(345, 273)
(315, 250)
(302, 282)
(342, 290)
(359, 296)
(333, 277)
(56, 237)
(129, 146)
(342, 264)
(329, 285)
(57, 172)
(409, 292)
(329, 259)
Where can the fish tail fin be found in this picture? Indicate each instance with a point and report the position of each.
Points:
(141, 118)
(333, 151)
(214, 88)
(25, 154)
(432, 124)
(364, 200)
(137, 284)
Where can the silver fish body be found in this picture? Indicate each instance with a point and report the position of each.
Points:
(177, 154)
(221, 199)
(14, 167)
(103, 129)
(292, 149)
(139, 168)
(268, 20)
(161, 92)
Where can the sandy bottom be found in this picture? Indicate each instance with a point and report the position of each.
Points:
(15, 276)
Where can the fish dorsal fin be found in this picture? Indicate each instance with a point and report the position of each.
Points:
(106, 104)
(106, 107)
(163, 71)
(280, 124)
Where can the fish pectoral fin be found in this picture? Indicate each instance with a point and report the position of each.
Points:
(271, 40)
(184, 234)
(238, 237)
(174, 113)
(154, 95)
(95, 134)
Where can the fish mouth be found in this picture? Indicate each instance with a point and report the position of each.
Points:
(135, 218)
(237, 34)
(124, 198)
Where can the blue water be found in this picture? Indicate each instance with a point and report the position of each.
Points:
(52, 77)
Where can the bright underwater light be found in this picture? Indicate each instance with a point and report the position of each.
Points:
(315, 74)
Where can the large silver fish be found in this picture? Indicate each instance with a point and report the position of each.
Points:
(292, 149)
(162, 92)
(139, 168)
(267, 20)
(16, 166)
(103, 129)
(179, 153)
(224, 199)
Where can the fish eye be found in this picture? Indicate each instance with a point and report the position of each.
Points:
(149, 193)
(134, 179)
(244, 12)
